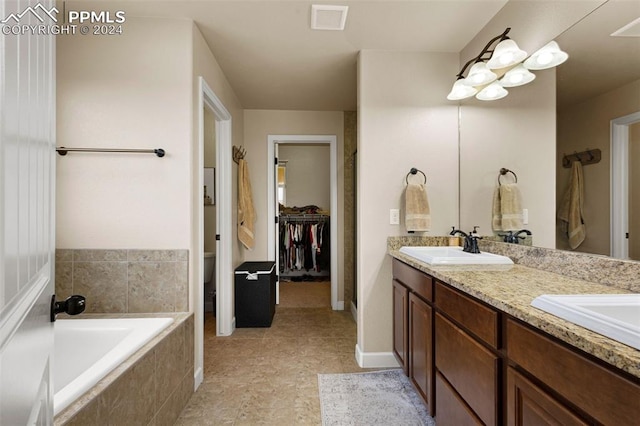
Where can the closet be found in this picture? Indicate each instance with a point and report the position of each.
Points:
(304, 247)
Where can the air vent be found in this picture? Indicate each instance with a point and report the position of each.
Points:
(327, 17)
(632, 29)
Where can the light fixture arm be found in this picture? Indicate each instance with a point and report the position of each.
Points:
(484, 51)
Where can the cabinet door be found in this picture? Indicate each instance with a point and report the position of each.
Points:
(528, 405)
(421, 349)
(400, 324)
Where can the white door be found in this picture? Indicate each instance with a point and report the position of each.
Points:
(277, 221)
(27, 171)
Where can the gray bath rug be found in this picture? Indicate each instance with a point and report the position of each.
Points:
(377, 398)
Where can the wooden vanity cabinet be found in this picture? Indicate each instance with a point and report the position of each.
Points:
(466, 357)
(413, 328)
(572, 383)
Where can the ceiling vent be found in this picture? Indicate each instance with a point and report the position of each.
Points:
(632, 29)
(326, 17)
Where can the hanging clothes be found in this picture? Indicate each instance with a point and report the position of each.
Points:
(304, 244)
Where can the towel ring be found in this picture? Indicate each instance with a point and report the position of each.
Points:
(503, 172)
(415, 171)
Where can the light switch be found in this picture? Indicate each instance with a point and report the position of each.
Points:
(525, 216)
(394, 216)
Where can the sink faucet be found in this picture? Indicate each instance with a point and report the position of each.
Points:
(470, 239)
(514, 237)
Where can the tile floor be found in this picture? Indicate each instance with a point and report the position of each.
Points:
(268, 376)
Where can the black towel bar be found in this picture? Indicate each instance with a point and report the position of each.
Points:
(415, 171)
(503, 172)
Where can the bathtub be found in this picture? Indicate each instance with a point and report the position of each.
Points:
(86, 350)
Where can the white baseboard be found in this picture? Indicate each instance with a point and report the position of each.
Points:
(375, 359)
(198, 377)
(354, 312)
(339, 306)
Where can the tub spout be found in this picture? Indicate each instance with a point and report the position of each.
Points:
(73, 305)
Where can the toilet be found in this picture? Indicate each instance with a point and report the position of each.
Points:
(209, 281)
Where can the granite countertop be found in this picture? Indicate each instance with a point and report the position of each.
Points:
(512, 289)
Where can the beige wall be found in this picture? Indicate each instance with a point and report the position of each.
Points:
(125, 92)
(259, 124)
(518, 133)
(587, 126)
(404, 121)
(308, 174)
(634, 191)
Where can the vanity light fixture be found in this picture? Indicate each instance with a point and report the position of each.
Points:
(503, 66)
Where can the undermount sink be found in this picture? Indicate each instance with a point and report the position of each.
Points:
(616, 316)
(453, 256)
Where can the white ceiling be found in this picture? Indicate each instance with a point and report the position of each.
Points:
(598, 62)
(273, 60)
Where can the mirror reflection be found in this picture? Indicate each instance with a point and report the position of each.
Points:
(598, 115)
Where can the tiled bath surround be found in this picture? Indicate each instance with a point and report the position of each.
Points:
(125, 281)
(150, 388)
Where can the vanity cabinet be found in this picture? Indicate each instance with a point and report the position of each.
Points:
(466, 360)
(570, 379)
(474, 364)
(413, 328)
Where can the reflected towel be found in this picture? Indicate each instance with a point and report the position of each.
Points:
(417, 213)
(571, 207)
(246, 212)
(507, 208)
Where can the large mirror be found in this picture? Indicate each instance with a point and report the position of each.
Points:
(598, 85)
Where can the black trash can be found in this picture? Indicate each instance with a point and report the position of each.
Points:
(255, 292)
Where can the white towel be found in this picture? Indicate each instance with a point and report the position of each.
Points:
(417, 213)
(507, 208)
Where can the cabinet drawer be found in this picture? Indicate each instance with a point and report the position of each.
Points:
(479, 319)
(609, 398)
(450, 410)
(469, 367)
(528, 405)
(416, 281)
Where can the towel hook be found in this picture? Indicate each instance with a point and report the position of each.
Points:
(503, 172)
(415, 171)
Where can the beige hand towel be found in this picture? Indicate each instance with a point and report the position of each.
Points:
(417, 213)
(246, 212)
(571, 207)
(506, 212)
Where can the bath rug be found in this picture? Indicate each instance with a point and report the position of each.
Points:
(377, 398)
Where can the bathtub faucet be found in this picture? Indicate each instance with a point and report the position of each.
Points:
(73, 305)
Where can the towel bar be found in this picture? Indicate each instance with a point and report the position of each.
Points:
(503, 172)
(415, 171)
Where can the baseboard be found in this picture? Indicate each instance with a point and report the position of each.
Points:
(198, 378)
(375, 359)
(354, 312)
(339, 306)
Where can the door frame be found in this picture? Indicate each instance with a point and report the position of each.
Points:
(331, 140)
(224, 288)
(619, 170)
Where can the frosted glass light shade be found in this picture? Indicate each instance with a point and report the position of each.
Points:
(505, 54)
(479, 75)
(517, 76)
(461, 91)
(548, 56)
(492, 92)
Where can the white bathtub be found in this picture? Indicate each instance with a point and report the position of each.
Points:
(86, 350)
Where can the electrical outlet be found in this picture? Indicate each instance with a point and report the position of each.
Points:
(394, 216)
(525, 216)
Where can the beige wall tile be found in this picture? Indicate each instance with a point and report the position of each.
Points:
(170, 362)
(64, 279)
(182, 286)
(64, 255)
(152, 287)
(104, 284)
(98, 255)
(151, 255)
(189, 344)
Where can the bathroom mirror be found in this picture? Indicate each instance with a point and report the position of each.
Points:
(528, 132)
(599, 83)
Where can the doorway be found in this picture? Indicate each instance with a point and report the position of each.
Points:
(222, 185)
(274, 143)
(625, 195)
